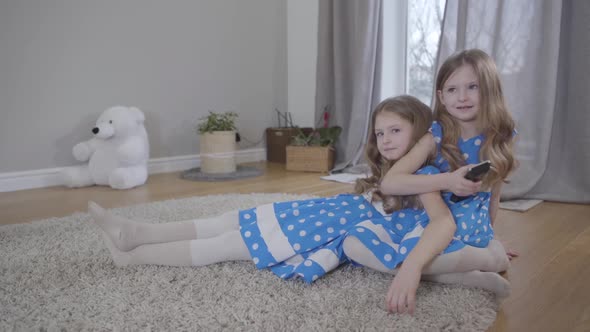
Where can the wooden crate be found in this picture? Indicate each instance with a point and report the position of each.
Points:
(310, 158)
(277, 140)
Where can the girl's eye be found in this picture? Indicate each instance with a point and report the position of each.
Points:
(451, 90)
(379, 134)
(395, 130)
(473, 86)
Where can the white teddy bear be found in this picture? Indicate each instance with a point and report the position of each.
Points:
(117, 155)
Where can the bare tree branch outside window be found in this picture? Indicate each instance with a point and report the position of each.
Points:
(424, 28)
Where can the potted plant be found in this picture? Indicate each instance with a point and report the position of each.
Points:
(313, 152)
(217, 142)
(277, 138)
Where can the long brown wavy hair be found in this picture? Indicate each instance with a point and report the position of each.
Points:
(493, 120)
(420, 117)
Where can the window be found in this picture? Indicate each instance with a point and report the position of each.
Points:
(411, 33)
(424, 28)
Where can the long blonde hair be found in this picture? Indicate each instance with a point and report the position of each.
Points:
(420, 117)
(494, 121)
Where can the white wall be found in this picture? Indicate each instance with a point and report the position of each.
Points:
(64, 61)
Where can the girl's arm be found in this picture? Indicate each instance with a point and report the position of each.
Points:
(397, 180)
(400, 179)
(435, 238)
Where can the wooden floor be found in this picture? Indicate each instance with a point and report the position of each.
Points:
(550, 280)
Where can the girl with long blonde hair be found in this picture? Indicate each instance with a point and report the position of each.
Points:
(472, 124)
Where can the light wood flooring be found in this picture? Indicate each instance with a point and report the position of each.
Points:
(550, 280)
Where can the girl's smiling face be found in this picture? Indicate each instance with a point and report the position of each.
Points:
(394, 135)
(460, 94)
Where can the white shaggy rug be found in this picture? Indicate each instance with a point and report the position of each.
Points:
(56, 274)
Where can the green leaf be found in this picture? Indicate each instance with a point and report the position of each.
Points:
(217, 122)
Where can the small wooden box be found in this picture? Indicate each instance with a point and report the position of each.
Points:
(310, 158)
(277, 140)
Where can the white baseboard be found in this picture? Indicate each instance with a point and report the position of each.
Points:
(49, 177)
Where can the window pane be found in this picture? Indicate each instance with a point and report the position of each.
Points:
(424, 28)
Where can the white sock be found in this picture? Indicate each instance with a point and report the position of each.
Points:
(491, 259)
(170, 253)
(491, 281)
(211, 227)
(226, 247)
(127, 234)
(358, 252)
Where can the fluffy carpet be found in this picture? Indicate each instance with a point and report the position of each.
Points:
(56, 274)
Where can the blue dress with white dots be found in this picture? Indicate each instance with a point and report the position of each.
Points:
(302, 238)
(392, 238)
(474, 226)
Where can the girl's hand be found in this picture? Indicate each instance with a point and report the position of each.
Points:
(459, 185)
(401, 296)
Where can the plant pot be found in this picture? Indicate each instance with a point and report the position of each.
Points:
(310, 158)
(218, 152)
(277, 140)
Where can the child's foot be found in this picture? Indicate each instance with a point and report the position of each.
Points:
(499, 258)
(120, 258)
(491, 281)
(119, 230)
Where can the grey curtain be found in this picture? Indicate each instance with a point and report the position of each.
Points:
(348, 71)
(542, 50)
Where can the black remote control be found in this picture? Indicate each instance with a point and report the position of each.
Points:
(475, 173)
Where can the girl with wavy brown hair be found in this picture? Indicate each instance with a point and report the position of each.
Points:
(472, 124)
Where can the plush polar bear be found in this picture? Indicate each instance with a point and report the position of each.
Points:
(117, 155)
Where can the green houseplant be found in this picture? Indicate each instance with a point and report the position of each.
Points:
(217, 142)
(217, 122)
(313, 152)
(318, 137)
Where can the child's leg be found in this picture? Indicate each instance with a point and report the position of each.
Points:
(491, 259)
(127, 234)
(225, 247)
(491, 281)
(443, 271)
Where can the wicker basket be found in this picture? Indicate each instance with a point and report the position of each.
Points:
(277, 140)
(310, 158)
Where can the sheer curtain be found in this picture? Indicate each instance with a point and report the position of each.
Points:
(348, 71)
(542, 50)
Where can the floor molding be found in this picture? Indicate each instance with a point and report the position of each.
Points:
(49, 177)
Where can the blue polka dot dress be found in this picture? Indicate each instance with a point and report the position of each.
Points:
(474, 226)
(391, 238)
(302, 238)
